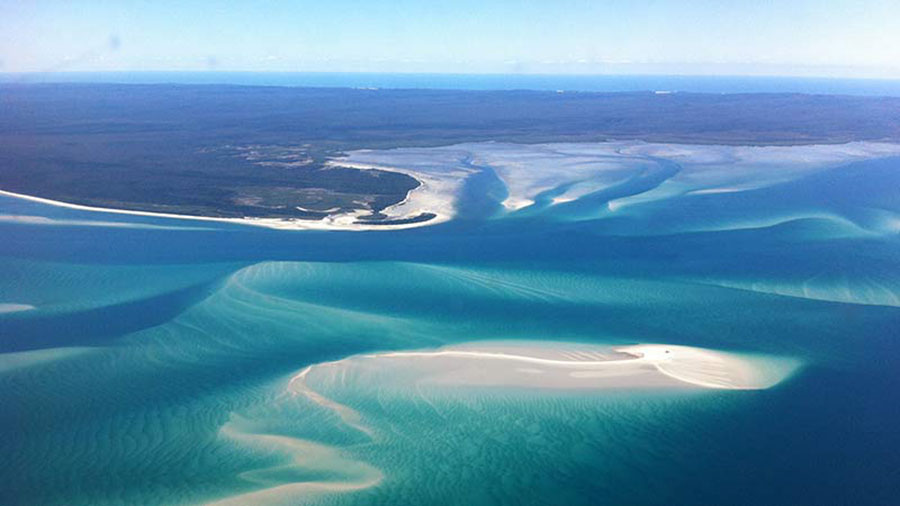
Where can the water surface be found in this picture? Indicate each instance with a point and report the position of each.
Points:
(151, 365)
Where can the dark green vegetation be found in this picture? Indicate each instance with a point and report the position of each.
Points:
(259, 151)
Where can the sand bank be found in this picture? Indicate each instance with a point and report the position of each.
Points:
(14, 307)
(553, 366)
(22, 359)
(451, 373)
(314, 460)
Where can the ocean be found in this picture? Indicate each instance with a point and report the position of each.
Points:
(151, 361)
(539, 82)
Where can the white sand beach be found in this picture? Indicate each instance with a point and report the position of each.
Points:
(335, 222)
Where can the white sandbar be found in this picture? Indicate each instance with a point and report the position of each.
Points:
(551, 366)
(13, 307)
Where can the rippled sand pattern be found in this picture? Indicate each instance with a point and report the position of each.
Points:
(608, 323)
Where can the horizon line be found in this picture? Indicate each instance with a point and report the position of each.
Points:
(437, 73)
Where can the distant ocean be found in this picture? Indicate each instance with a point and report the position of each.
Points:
(593, 83)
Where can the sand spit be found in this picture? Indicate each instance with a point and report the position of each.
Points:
(336, 222)
(436, 194)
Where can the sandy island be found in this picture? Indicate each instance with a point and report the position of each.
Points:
(552, 366)
(535, 366)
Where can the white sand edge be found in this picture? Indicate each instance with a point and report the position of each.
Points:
(338, 222)
(14, 307)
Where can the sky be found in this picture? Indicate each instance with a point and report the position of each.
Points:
(830, 38)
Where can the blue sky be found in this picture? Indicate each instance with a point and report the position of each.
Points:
(788, 37)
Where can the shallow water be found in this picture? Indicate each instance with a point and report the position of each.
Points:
(152, 365)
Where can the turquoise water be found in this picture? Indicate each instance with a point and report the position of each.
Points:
(154, 366)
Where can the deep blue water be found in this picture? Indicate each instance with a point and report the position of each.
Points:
(152, 340)
(598, 83)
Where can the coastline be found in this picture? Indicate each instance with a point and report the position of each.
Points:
(346, 222)
(529, 171)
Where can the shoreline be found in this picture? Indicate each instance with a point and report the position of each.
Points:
(441, 173)
(333, 224)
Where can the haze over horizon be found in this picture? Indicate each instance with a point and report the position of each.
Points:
(836, 38)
